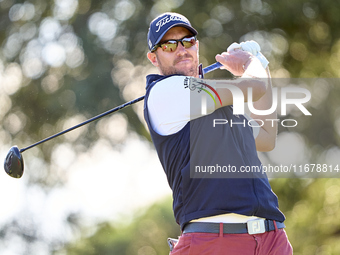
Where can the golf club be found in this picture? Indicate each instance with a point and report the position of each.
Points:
(14, 162)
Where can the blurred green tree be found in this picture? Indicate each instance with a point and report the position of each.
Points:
(146, 234)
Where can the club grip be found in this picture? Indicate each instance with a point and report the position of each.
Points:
(212, 67)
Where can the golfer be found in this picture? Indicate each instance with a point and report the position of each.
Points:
(220, 211)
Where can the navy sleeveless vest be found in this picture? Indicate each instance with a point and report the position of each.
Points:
(199, 144)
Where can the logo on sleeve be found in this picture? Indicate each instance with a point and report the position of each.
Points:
(196, 84)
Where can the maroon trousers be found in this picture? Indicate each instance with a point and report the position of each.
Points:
(269, 243)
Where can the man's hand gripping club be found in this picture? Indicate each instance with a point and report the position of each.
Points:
(239, 56)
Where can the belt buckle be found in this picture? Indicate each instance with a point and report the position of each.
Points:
(256, 227)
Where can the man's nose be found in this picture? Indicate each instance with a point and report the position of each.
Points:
(180, 48)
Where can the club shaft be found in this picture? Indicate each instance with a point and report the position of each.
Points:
(205, 70)
(85, 122)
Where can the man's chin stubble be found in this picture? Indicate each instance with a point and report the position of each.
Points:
(173, 70)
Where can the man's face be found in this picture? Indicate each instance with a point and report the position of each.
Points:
(181, 61)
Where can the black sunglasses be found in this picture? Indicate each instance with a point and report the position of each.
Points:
(171, 45)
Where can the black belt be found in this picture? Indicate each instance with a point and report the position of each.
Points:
(251, 227)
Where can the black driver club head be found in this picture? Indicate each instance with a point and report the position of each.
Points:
(14, 163)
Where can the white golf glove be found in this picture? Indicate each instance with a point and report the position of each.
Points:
(251, 47)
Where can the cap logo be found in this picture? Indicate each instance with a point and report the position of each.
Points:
(168, 19)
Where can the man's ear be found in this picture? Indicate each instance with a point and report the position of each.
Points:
(153, 59)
